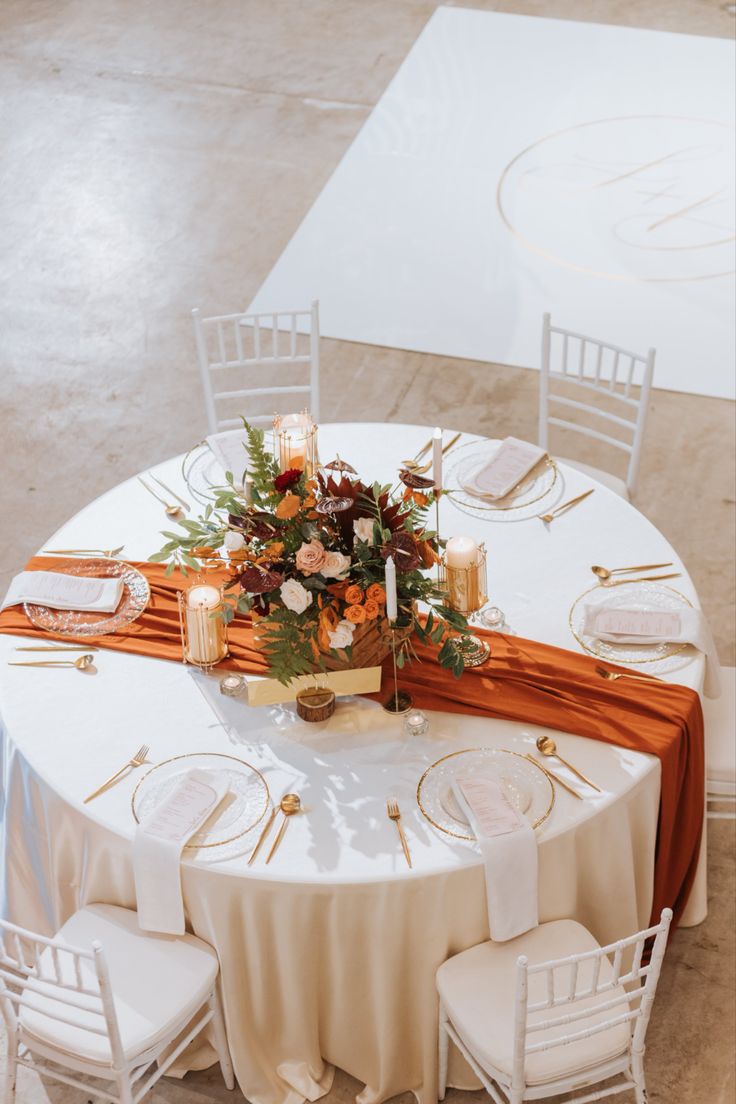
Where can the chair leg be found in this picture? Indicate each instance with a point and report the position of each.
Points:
(124, 1087)
(444, 1049)
(640, 1085)
(11, 1072)
(223, 1050)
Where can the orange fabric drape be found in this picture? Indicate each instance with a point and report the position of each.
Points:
(523, 681)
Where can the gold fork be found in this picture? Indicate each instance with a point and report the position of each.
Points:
(108, 553)
(564, 507)
(137, 761)
(612, 676)
(392, 808)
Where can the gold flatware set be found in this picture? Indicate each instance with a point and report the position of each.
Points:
(547, 746)
(419, 469)
(555, 777)
(289, 806)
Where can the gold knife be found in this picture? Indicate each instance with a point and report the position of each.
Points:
(554, 777)
(262, 836)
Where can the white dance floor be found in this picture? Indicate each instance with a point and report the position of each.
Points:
(516, 165)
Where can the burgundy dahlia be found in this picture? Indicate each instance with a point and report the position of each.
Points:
(287, 479)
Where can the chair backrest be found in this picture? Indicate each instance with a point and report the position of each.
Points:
(611, 385)
(242, 357)
(64, 983)
(577, 978)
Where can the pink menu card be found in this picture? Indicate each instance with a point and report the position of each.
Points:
(513, 461)
(493, 812)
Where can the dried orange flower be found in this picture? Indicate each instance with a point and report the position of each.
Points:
(427, 553)
(274, 550)
(376, 593)
(338, 589)
(356, 614)
(353, 595)
(289, 506)
(372, 608)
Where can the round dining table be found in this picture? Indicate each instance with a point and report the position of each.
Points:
(328, 952)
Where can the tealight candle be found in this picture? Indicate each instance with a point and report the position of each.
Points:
(416, 723)
(206, 635)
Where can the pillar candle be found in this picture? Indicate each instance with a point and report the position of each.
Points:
(392, 607)
(463, 579)
(205, 634)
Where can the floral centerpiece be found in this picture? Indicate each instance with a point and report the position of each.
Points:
(307, 560)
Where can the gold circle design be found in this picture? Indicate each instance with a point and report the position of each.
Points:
(675, 649)
(460, 835)
(219, 755)
(530, 245)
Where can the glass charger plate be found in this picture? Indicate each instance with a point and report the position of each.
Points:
(637, 596)
(202, 470)
(525, 783)
(240, 810)
(136, 594)
(525, 501)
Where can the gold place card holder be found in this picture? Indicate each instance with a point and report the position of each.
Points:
(295, 442)
(203, 629)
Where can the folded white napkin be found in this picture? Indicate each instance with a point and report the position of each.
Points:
(66, 592)
(230, 450)
(158, 844)
(506, 839)
(627, 626)
(511, 463)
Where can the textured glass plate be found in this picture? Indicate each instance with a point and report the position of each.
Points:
(526, 785)
(526, 499)
(240, 810)
(636, 596)
(202, 470)
(136, 594)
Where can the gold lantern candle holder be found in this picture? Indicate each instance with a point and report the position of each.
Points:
(295, 442)
(203, 629)
(465, 582)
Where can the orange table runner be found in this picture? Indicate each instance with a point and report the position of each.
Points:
(524, 681)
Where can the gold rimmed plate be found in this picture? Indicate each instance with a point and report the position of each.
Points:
(80, 623)
(525, 783)
(242, 808)
(522, 502)
(637, 596)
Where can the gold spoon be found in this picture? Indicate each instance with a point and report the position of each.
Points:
(171, 511)
(81, 664)
(547, 746)
(606, 573)
(612, 676)
(289, 805)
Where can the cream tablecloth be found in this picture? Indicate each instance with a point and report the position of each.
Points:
(328, 955)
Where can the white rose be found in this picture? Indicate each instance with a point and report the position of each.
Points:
(363, 529)
(342, 637)
(294, 596)
(336, 565)
(233, 541)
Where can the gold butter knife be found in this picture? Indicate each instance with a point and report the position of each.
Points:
(262, 836)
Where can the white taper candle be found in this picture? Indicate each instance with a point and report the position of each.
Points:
(437, 458)
(392, 606)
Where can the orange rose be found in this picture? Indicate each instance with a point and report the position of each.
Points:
(353, 595)
(356, 614)
(376, 593)
(289, 506)
(372, 608)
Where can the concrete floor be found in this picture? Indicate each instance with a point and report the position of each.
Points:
(159, 154)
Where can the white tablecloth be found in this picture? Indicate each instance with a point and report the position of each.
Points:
(328, 954)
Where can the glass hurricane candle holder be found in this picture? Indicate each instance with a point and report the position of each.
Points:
(463, 576)
(295, 442)
(203, 629)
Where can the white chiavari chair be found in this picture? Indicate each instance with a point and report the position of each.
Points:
(576, 1017)
(611, 388)
(106, 1013)
(719, 716)
(250, 362)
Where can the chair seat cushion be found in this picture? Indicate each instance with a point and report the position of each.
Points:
(719, 715)
(611, 481)
(478, 990)
(158, 982)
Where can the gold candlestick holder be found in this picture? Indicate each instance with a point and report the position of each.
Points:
(295, 442)
(467, 593)
(202, 627)
(400, 701)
